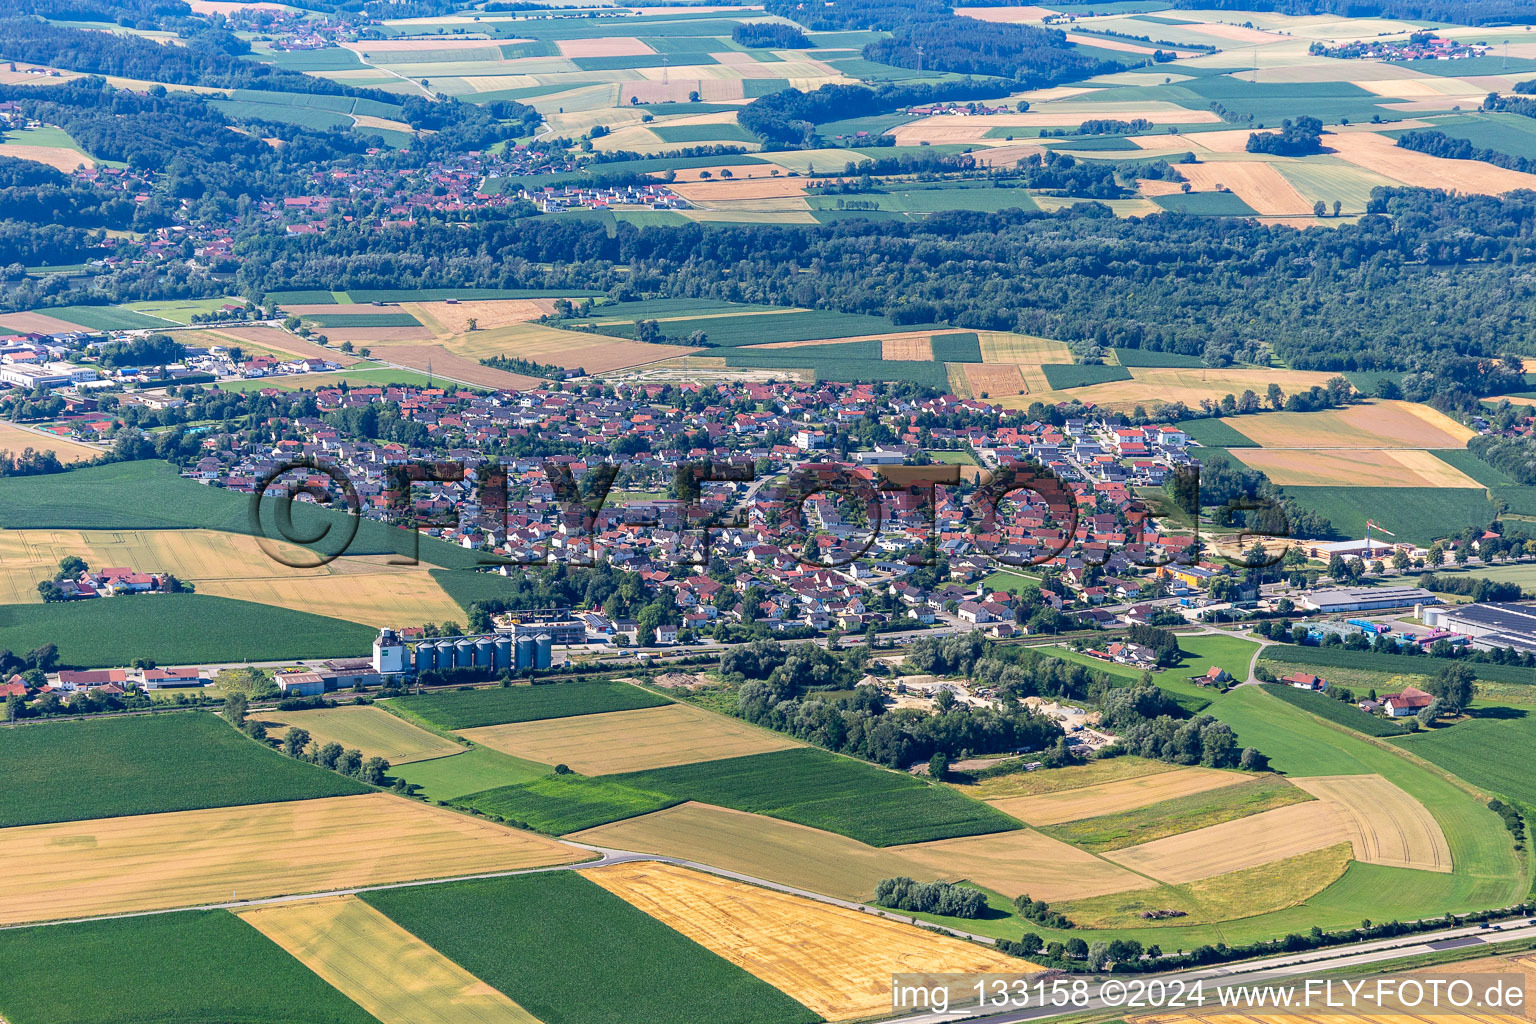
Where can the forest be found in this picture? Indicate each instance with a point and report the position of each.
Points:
(789, 117)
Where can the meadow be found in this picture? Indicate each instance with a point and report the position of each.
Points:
(177, 629)
(1213, 432)
(474, 771)
(145, 765)
(603, 962)
(839, 794)
(1419, 515)
(560, 804)
(107, 318)
(1150, 357)
(1478, 749)
(186, 968)
(471, 709)
(766, 328)
(1416, 664)
(1338, 711)
(1064, 376)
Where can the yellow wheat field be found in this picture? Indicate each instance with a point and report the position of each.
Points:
(629, 741)
(1007, 347)
(1374, 424)
(453, 318)
(1382, 155)
(1386, 825)
(1257, 184)
(1113, 797)
(1025, 861)
(1154, 386)
(992, 379)
(1234, 845)
(1354, 468)
(374, 731)
(17, 439)
(917, 349)
(835, 961)
(280, 343)
(595, 353)
(191, 858)
(380, 966)
(754, 844)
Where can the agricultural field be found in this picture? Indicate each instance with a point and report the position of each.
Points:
(812, 787)
(1417, 515)
(1114, 797)
(561, 804)
(1150, 387)
(187, 858)
(371, 730)
(49, 145)
(627, 741)
(383, 968)
(1235, 845)
(473, 771)
(1373, 424)
(17, 439)
(147, 765)
(775, 936)
(1357, 467)
(177, 629)
(1343, 658)
(1477, 749)
(607, 963)
(778, 851)
(471, 709)
(1176, 815)
(1339, 711)
(107, 318)
(198, 966)
(1385, 825)
(1026, 861)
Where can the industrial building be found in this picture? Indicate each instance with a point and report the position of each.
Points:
(1364, 599)
(1491, 626)
(494, 652)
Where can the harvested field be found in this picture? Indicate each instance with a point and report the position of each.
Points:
(942, 128)
(616, 46)
(710, 90)
(1299, 467)
(186, 858)
(380, 966)
(1374, 424)
(738, 171)
(1234, 33)
(281, 343)
(1380, 154)
(17, 439)
(1151, 386)
(1007, 347)
(375, 732)
(1058, 779)
(595, 353)
(1235, 845)
(1149, 187)
(41, 323)
(1005, 15)
(993, 379)
(374, 335)
(454, 367)
(1257, 184)
(909, 349)
(1014, 863)
(452, 318)
(836, 961)
(1385, 824)
(763, 847)
(1113, 797)
(630, 741)
(59, 158)
(753, 188)
(359, 588)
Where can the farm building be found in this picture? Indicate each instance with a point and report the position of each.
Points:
(1490, 626)
(300, 684)
(1410, 702)
(1305, 681)
(1361, 599)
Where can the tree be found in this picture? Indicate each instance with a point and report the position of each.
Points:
(1252, 761)
(1098, 955)
(329, 755)
(295, 740)
(373, 771)
(15, 707)
(50, 592)
(350, 762)
(938, 765)
(70, 566)
(472, 324)
(1319, 209)
(234, 710)
(1453, 686)
(1030, 943)
(1434, 710)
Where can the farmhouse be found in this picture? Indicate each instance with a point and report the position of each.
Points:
(1214, 676)
(1305, 681)
(1410, 702)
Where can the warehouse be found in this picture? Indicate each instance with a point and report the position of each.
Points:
(1491, 626)
(1364, 599)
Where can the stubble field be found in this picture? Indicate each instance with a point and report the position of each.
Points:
(1113, 797)
(375, 732)
(1026, 861)
(1386, 825)
(1234, 845)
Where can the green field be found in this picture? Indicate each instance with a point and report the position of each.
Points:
(1150, 357)
(1338, 711)
(176, 761)
(302, 296)
(1069, 375)
(1206, 204)
(558, 804)
(957, 348)
(1487, 749)
(340, 320)
(316, 118)
(151, 495)
(822, 790)
(106, 318)
(1418, 664)
(177, 629)
(1494, 64)
(332, 58)
(1475, 467)
(475, 770)
(1418, 514)
(730, 331)
(1214, 433)
(361, 295)
(570, 952)
(471, 709)
(192, 967)
(1013, 583)
(1504, 133)
(811, 356)
(695, 133)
